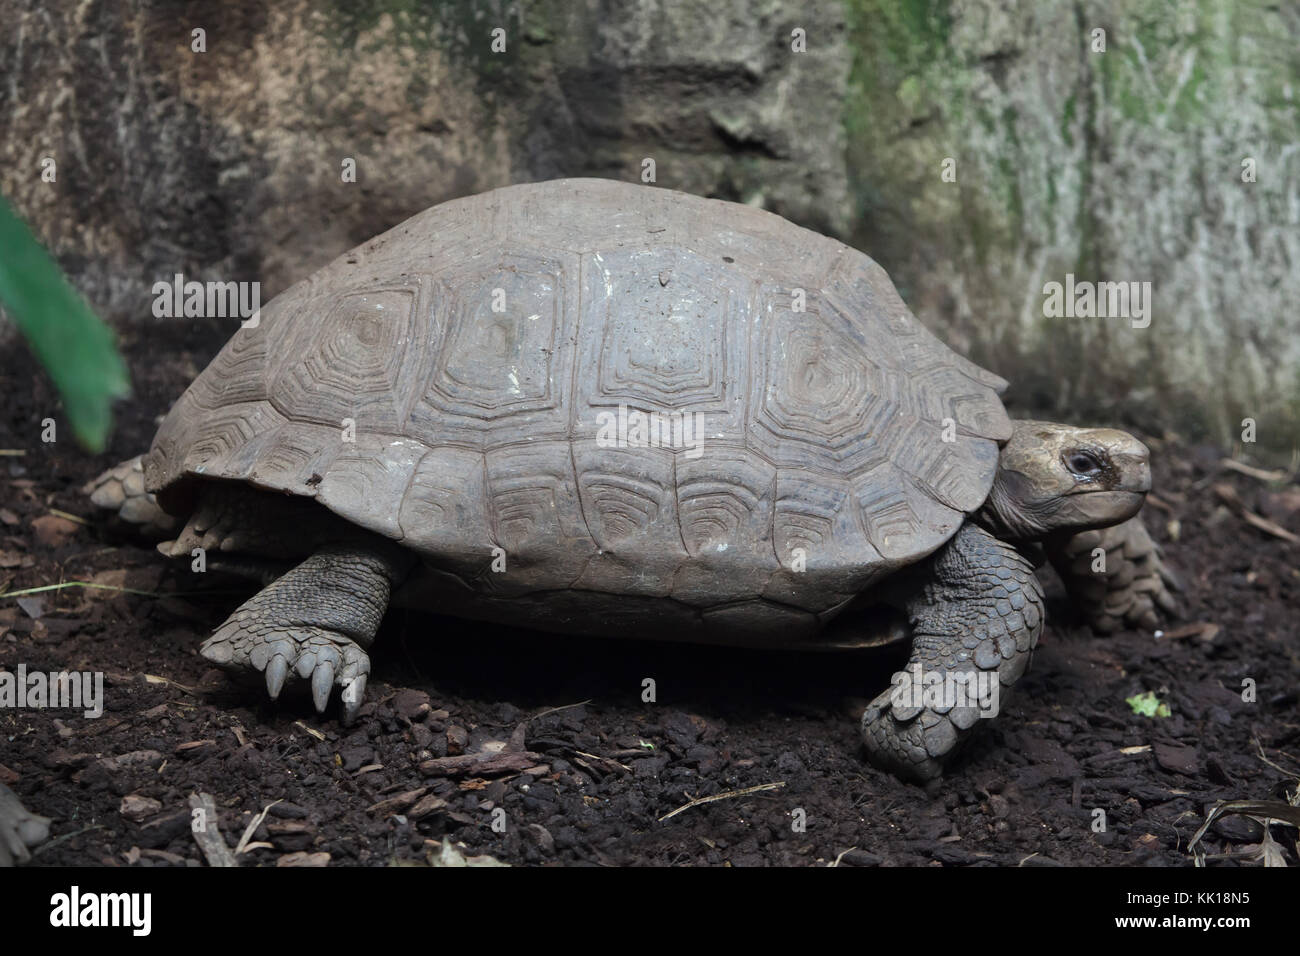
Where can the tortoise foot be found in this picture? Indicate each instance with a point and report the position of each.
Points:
(121, 490)
(313, 623)
(1131, 588)
(19, 829)
(974, 625)
(914, 748)
(247, 641)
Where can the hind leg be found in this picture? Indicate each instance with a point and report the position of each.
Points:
(315, 622)
(121, 489)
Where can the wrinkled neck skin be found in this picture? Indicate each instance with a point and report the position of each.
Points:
(1007, 517)
(1033, 528)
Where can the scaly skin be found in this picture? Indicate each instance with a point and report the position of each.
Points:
(315, 622)
(979, 610)
(121, 489)
(1135, 585)
(233, 520)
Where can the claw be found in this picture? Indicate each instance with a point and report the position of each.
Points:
(319, 655)
(306, 663)
(276, 671)
(322, 680)
(352, 697)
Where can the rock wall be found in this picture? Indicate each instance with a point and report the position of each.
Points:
(228, 163)
(1117, 165)
(1122, 165)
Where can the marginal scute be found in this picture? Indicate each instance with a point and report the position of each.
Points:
(724, 504)
(952, 467)
(945, 393)
(630, 505)
(225, 441)
(295, 457)
(900, 518)
(536, 514)
(374, 468)
(443, 512)
(606, 388)
(818, 535)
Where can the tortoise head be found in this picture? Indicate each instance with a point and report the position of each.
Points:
(1062, 478)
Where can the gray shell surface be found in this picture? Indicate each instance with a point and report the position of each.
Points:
(480, 347)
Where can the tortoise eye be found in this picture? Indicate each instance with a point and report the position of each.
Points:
(1083, 463)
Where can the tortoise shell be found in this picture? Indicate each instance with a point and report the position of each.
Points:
(457, 385)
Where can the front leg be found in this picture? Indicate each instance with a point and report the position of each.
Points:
(976, 617)
(315, 622)
(1128, 584)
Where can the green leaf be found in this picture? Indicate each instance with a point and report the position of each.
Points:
(1148, 705)
(75, 347)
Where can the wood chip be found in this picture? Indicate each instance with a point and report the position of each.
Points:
(1269, 527)
(604, 764)
(1259, 473)
(194, 745)
(397, 803)
(208, 835)
(136, 807)
(1177, 759)
(309, 731)
(432, 803)
(479, 764)
(1205, 630)
(1228, 495)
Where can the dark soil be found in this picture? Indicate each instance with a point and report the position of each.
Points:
(597, 776)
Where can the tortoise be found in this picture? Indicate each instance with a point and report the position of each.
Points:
(595, 407)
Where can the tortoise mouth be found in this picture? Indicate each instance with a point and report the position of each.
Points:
(1100, 507)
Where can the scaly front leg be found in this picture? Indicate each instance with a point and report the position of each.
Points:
(314, 622)
(1130, 587)
(974, 622)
